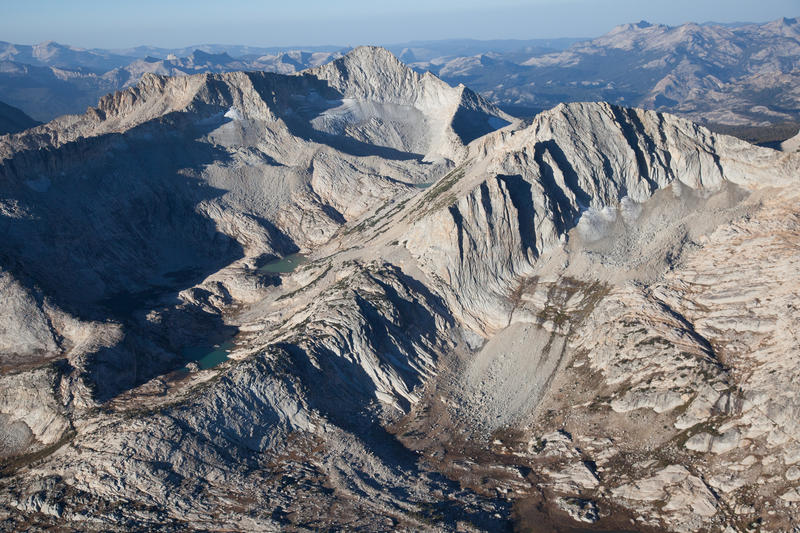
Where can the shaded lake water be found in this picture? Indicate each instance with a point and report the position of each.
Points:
(285, 265)
(208, 356)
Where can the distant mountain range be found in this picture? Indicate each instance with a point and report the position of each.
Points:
(712, 73)
(740, 74)
(51, 79)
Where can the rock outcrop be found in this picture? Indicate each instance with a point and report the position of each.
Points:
(791, 145)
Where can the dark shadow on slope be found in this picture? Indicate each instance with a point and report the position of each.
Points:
(13, 120)
(486, 200)
(333, 214)
(117, 228)
(458, 220)
(565, 215)
(470, 124)
(117, 216)
(331, 392)
(279, 241)
(570, 175)
(633, 131)
(351, 146)
(521, 197)
(432, 300)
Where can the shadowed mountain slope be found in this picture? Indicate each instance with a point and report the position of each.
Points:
(13, 120)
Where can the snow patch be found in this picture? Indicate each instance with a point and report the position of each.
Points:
(630, 210)
(233, 114)
(596, 224)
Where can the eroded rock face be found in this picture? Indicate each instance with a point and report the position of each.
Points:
(33, 417)
(587, 319)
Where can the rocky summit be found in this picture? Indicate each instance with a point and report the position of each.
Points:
(356, 297)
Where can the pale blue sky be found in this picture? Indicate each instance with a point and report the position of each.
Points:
(174, 23)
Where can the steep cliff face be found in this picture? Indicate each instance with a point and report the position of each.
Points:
(589, 250)
(581, 319)
(521, 191)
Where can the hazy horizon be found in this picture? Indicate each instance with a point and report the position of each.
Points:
(95, 24)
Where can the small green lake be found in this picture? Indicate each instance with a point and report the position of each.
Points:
(423, 185)
(208, 356)
(284, 266)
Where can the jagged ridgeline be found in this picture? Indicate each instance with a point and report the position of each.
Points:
(360, 298)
